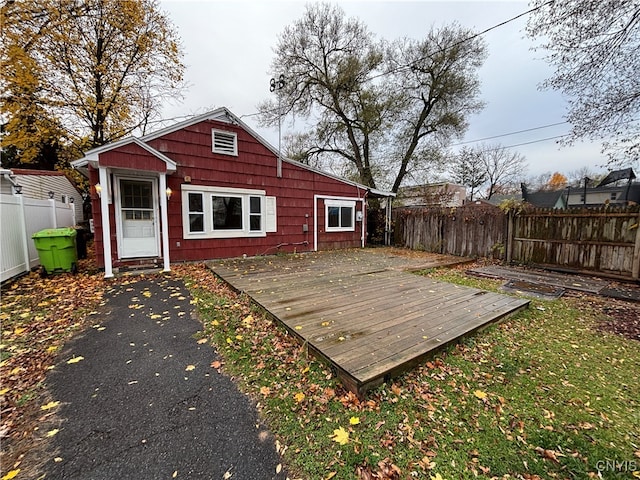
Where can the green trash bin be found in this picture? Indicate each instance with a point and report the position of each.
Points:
(57, 250)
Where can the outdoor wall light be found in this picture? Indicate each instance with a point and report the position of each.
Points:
(98, 188)
(169, 192)
(51, 194)
(72, 200)
(18, 189)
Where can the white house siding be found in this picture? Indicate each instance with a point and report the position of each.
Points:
(38, 186)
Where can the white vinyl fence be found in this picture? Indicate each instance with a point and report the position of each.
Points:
(20, 218)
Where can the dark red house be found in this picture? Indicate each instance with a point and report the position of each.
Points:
(208, 188)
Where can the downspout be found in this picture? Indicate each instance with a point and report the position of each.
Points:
(315, 222)
(363, 224)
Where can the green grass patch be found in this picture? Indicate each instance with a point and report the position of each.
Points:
(541, 395)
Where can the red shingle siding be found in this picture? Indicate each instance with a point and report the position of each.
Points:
(132, 156)
(255, 167)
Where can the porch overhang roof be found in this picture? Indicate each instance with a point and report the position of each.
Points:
(92, 157)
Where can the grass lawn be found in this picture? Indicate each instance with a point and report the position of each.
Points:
(545, 394)
(542, 395)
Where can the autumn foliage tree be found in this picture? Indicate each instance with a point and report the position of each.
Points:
(557, 182)
(84, 72)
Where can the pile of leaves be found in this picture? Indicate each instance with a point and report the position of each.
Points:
(621, 318)
(38, 315)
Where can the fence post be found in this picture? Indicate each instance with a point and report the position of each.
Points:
(25, 240)
(635, 268)
(509, 236)
(54, 220)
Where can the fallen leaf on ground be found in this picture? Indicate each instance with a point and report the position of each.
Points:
(49, 406)
(190, 367)
(480, 394)
(340, 435)
(11, 474)
(75, 359)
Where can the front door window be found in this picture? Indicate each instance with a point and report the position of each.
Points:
(137, 212)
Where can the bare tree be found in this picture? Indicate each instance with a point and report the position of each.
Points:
(466, 168)
(379, 107)
(593, 47)
(502, 166)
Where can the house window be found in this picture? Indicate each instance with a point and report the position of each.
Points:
(137, 201)
(340, 215)
(224, 142)
(255, 214)
(217, 212)
(227, 213)
(613, 195)
(195, 212)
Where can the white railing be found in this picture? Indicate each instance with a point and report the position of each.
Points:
(20, 218)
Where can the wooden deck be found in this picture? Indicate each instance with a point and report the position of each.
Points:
(361, 311)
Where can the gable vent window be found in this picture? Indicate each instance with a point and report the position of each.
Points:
(225, 143)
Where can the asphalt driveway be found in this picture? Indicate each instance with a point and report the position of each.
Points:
(140, 400)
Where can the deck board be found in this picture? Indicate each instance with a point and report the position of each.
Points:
(361, 311)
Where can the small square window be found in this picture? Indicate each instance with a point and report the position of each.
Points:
(340, 215)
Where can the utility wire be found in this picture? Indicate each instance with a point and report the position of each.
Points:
(509, 134)
(460, 42)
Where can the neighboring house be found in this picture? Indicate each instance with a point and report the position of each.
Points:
(45, 184)
(617, 188)
(432, 195)
(545, 198)
(498, 200)
(208, 188)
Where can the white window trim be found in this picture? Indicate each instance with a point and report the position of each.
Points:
(340, 203)
(268, 216)
(224, 152)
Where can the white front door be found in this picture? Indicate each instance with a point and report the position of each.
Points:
(138, 209)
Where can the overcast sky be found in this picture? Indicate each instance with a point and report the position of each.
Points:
(229, 46)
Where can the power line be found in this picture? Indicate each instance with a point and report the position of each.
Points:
(509, 134)
(526, 143)
(460, 42)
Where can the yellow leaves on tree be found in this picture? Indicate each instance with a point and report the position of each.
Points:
(557, 181)
(83, 62)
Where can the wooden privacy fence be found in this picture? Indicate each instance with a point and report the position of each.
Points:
(472, 231)
(604, 241)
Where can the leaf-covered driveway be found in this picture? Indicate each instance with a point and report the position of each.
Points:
(139, 398)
